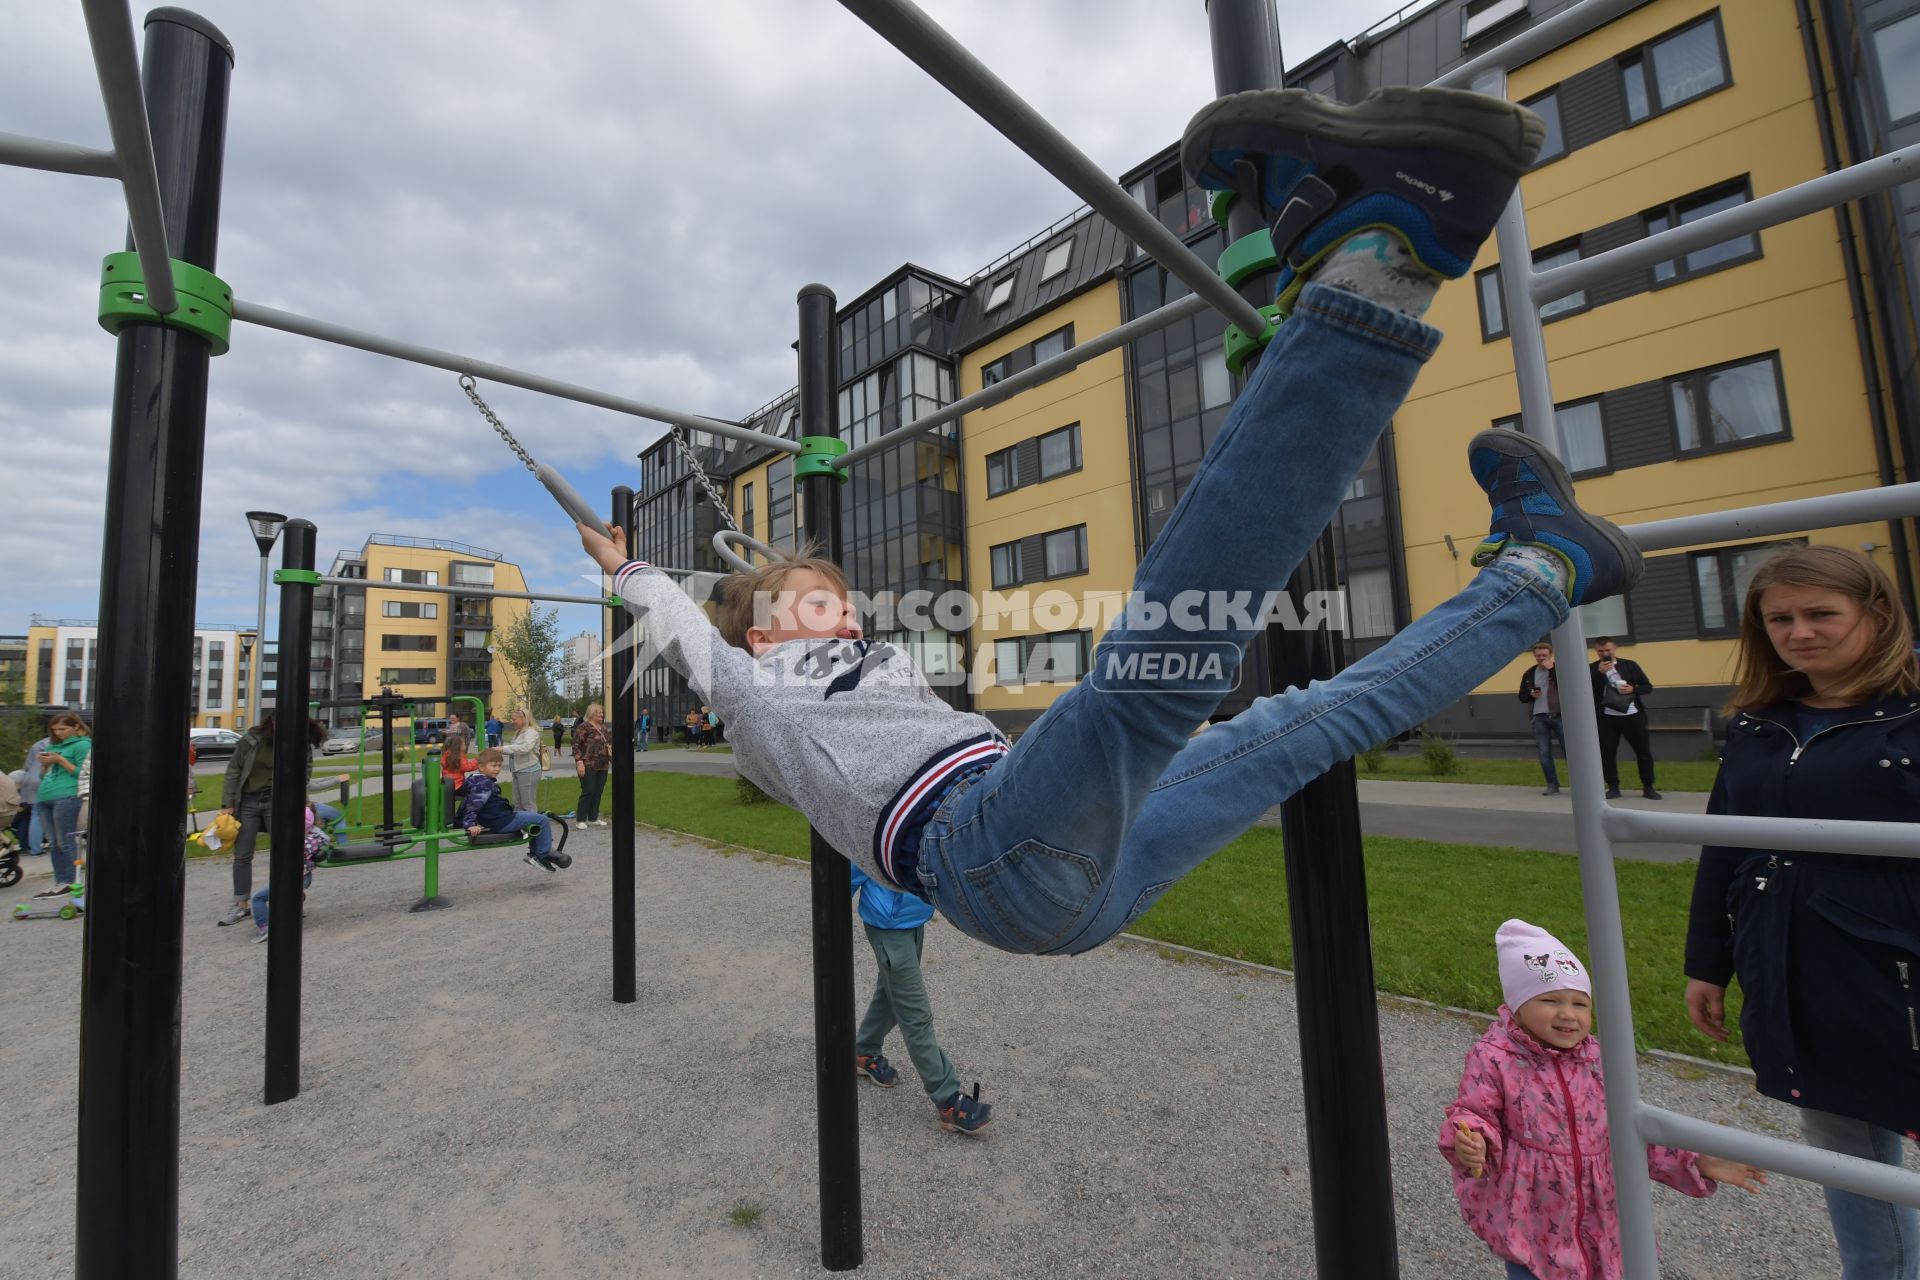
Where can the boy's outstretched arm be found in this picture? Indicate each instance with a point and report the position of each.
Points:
(676, 627)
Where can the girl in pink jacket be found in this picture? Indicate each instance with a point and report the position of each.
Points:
(1527, 1137)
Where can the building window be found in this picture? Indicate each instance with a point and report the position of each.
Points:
(1729, 407)
(1607, 617)
(472, 575)
(1675, 69)
(1006, 565)
(408, 609)
(1692, 208)
(1898, 46)
(999, 472)
(416, 644)
(1583, 436)
(1059, 452)
(780, 504)
(414, 577)
(1547, 107)
(1000, 294)
(1053, 344)
(1493, 304)
(1482, 16)
(1061, 657)
(1066, 551)
(1559, 255)
(998, 371)
(746, 509)
(1057, 259)
(1720, 580)
(1369, 603)
(409, 675)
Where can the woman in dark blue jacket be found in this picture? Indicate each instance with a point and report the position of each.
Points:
(1826, 724)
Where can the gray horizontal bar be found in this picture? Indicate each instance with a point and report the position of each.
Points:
(57, 157)
(487, 593)
(1563, 28)
(110, 30)
(1053, 367)
(1798, 835)
(910, 30)
(1808, 197)
(307, 327)
(1891, 502)
(1885, 1182)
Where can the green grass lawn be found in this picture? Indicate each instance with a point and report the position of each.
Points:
(1407, 765)
(1433, 907)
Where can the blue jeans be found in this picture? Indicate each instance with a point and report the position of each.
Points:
(542, 837)
(36, 829)
(1877, 1240)
(59, 818)
(1517, 1272)
(1105, 802)
(1546, 732)
(260, 899)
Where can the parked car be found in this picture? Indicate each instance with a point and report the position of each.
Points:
(430, 730)
(346, 742)
(213, 744)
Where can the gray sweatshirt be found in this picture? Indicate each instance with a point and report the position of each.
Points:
(845, 731)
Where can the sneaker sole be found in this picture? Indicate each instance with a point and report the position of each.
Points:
(875, 1080)
(1265, 120)
(1555, 478)
(978, 1131)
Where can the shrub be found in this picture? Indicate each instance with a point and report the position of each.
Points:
(1440, 756)
(746, 793)
(1373, 757)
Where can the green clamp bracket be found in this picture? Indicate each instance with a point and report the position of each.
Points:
(206, 303)
(615, 602)
(1218, 204)
(816, 457)
(1240, 346)
(296, 577)
(1249, 256)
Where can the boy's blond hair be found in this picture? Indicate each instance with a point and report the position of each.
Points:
(492, 755)
(740, 591)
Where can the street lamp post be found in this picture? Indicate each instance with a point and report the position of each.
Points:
(265, 526)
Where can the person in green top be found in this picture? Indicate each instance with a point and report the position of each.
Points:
(58, 804)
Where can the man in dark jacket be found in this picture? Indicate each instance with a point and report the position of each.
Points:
(1618, 684)
(1540, 690)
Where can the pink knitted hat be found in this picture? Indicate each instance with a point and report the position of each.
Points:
(1533, 962)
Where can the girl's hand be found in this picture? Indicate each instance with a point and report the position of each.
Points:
(1470, 1149)
(608, 553)
(1747, 1177)
(1707, 1008)
(579, 770)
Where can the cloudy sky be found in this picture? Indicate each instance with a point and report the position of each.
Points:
(624, 195)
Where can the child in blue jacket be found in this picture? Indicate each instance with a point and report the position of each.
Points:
(896, 925)
(487, 810)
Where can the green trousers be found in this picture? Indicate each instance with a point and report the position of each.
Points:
(900, 1000)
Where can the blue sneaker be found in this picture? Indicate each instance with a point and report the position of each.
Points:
(965, 1115)
(1534, 506)
(875, 1067)
(1433, 166)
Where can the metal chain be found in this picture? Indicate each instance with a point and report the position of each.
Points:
(473, 394)
(679, 440)
(700, 474)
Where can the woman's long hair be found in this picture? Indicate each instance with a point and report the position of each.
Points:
(1762, 677)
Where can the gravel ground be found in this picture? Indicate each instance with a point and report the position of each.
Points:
(474, 1104)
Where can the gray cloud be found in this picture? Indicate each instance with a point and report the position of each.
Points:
(626, 196)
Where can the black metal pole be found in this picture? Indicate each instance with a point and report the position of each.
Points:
(841, 1245)
(1342, 1084)
(620, 701)
(287, 835)
(127, 1185)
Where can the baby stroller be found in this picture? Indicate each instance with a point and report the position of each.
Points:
(9, 858)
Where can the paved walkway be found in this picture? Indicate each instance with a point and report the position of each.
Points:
(474, 1104)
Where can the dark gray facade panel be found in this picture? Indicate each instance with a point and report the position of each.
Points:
(1033, 557)
(1592, 106)
(1661, 607)
(1098, 250)
(1026, 461)
(1620, 232)
(1639, 425)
